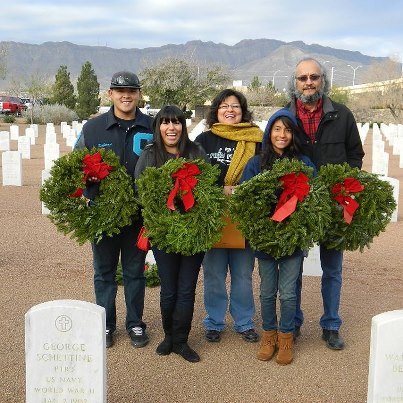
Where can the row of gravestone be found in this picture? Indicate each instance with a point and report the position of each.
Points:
(12, 160)
(66, 356)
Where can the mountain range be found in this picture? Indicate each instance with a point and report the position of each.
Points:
(269, 59)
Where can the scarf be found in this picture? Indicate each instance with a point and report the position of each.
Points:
(246, 135)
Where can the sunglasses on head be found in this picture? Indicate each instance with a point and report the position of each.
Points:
(305, 77)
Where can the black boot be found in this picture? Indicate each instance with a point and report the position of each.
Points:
(186, 352)
(181, 325)
(165, 347)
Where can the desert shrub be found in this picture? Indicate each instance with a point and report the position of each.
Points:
(51, 114)
(9, 119)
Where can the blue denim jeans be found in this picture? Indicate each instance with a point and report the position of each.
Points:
(332, 262)
(240, 263)
(279, 277)
(105, 260)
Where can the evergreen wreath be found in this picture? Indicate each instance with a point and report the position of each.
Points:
(114, 207)
(373, 212)
(179, 230)
(254, 202)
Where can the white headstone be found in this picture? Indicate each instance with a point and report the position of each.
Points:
(50, 137)
(312, 266)
(200, 127)
(62, 124)
(51, 153)
(36, 129)
(396, 184)
(50, 126)
(397, 146)
(65, 352)
(150, 257)
(66, 130)
(11, 168)
(363, 130)
(71, 138)
(380, 164)
(30, 133)
(24, 147)
(45, 175)
(385, 378)
(4, 141)
(14, 132)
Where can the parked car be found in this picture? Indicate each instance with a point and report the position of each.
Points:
(27, 102)
(12, 105)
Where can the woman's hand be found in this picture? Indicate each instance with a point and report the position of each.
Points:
(93, 179)
(229, 190)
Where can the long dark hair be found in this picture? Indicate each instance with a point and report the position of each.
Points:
(170, 113)
(212, 116)
(293, 150)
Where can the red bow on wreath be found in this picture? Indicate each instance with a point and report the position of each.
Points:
(93, 168)
(343, 196)
(296, 188)
(185, 182)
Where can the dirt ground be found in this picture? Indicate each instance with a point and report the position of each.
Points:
(38, 264)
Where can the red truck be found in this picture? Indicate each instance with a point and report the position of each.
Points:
(12, 105)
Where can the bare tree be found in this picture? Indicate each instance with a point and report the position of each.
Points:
(37, 87)
(183, 82)
(388, 90)
(3, 61)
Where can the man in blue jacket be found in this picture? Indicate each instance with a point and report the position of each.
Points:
(329, 136)
(125, 130)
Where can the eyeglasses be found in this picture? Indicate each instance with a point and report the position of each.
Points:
(312, 77)
(226, 106)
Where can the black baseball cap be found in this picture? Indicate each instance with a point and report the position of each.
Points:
(125, 79)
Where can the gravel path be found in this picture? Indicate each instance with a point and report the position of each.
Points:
(39, 264)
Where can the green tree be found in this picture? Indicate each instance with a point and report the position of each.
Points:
(182, 82)
(63, 89)
(339, 96)
(255, 84)
(88, 92)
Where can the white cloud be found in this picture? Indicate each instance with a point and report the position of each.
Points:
(366, 26)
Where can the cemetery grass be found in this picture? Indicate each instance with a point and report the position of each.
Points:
(38, 264)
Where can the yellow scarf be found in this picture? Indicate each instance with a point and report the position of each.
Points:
(246, 135)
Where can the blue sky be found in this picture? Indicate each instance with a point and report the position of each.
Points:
(371, 27)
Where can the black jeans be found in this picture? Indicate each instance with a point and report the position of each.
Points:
(178, 275)
(106, 257)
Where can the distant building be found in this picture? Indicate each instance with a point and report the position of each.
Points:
(375, 86)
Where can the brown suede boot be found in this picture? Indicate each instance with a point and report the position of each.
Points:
(285, 348)
(267, 345)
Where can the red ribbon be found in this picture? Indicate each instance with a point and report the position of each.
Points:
(93, 168)
(185, 182)
(296, 188)
(143, 242)
(78, 193)
(343, 196)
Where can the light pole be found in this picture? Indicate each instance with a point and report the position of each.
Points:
(354, 70)
(274, 75)
(331, 73)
